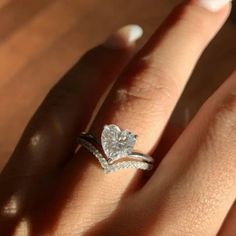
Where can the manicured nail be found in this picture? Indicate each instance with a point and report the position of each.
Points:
(124, 37)
(213, 5)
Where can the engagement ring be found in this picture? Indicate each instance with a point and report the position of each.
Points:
(115, 150)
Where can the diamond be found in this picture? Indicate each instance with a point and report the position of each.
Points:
(117, 143)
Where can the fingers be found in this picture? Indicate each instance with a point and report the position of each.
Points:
(51, 135)
(142, 100)
(50, 138)
(196, 181)
(146, 93)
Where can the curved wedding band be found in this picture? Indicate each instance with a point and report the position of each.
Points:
(115, 150)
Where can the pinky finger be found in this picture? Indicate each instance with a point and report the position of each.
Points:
(196, 181)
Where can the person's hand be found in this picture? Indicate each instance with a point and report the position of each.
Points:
(47, 190)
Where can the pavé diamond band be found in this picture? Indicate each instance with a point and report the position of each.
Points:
(115, 151)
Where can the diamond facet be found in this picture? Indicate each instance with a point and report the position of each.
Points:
(117, 143)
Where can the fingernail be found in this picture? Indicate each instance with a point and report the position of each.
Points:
(213, 5)
(124, 37)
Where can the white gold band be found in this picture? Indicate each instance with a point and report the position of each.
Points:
(117, 147)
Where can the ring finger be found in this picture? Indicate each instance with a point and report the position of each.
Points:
(145, 95)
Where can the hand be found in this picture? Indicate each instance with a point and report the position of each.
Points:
(47, 190)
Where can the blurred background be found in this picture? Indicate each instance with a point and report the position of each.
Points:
(41, 39)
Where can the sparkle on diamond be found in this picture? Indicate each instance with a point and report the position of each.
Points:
(116, 143)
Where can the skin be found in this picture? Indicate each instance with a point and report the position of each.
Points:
(46, 190)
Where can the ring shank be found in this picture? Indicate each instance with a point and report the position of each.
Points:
(141, 161)
(132, 155)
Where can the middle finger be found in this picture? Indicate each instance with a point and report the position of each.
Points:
(145, 95)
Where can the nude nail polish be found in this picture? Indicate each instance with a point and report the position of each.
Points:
(124, 37)
(213, 5)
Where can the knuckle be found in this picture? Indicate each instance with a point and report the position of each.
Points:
(147, 81)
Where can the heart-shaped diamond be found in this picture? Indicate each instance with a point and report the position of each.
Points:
(117, 143)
